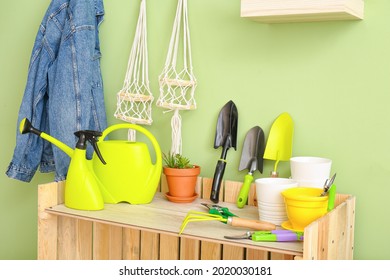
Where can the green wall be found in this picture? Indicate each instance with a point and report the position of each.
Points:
(332, 77)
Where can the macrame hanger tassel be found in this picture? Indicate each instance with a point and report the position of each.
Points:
(176, 147)
(132, 135)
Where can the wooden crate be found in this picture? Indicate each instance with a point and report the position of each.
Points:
(279, 11)
(118, 232)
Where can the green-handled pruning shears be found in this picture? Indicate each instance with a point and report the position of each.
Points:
(219, 210)
(279, 235)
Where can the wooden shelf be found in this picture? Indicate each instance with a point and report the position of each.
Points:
(162, 216)
(150, 231)
(281, 11)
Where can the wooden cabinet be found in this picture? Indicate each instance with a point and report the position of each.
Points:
(150, 231)
(279, 11)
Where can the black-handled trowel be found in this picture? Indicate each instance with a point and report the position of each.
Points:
(251, 159)
(225, 136)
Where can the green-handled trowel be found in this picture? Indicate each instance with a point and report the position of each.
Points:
(251, 159)
(279, 143)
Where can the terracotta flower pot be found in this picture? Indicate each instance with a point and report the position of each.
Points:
(182, 182)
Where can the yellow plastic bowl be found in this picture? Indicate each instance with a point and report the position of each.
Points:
(304, 205)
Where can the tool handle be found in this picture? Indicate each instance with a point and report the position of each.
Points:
(331, 197)
(252, 224)
(243, 195)
(218, 175)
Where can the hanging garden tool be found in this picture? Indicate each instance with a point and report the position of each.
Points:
(196, 216)
(251, 159)
(134, 100)
(177, 82)
(279, 143)
(225, 136)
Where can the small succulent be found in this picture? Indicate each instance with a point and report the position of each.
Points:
(176, 161)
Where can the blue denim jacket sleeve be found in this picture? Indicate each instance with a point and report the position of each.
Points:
(64, 90)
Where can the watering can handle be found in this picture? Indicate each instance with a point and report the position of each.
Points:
(144, 131)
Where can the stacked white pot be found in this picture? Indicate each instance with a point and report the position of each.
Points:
(270, 202)
(310, 171)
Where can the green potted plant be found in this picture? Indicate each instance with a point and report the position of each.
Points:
(181, 177)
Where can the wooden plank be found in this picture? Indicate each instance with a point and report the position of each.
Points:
(107, 242)
(231, 252)
(280, 256)
(310, 245)
(74, 239)
(149, 245)
(232, 189)
(252, 254)
(189, 249)
(169, 247)
(252, 199)
(209, 250)
(280, 11)
(48, 196)
(131, 244)
(206, 188)
(349, 243)
(323, 247)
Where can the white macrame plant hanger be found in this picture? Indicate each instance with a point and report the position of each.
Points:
(177, 87)
(134, 100)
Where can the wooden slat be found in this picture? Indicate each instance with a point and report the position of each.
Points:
(149, 245)
(280, 256)
(230, 252)
(169, 247)
(349, 243)
(131, 244)
(310, 245)
(232, 189)
(74, 239)
(209, 250)
(107, 242)
(252, 199)
(189, 249)
(48, 195)
(253, 254)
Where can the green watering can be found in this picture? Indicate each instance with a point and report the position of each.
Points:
(119, 171)
(129, 174)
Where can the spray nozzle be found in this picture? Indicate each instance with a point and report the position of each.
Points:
(92, 137)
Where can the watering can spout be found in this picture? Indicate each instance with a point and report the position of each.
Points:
(26, 127)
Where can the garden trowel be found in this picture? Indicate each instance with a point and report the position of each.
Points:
(279, 143)
(251, 159)
(225, 136)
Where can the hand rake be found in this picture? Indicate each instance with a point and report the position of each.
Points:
(196, 216)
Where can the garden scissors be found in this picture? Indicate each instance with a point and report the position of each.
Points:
(279, 235)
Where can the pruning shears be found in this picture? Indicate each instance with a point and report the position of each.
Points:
(279, 235)
(219, 210)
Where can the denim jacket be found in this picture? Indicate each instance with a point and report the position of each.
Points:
(64, 90)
